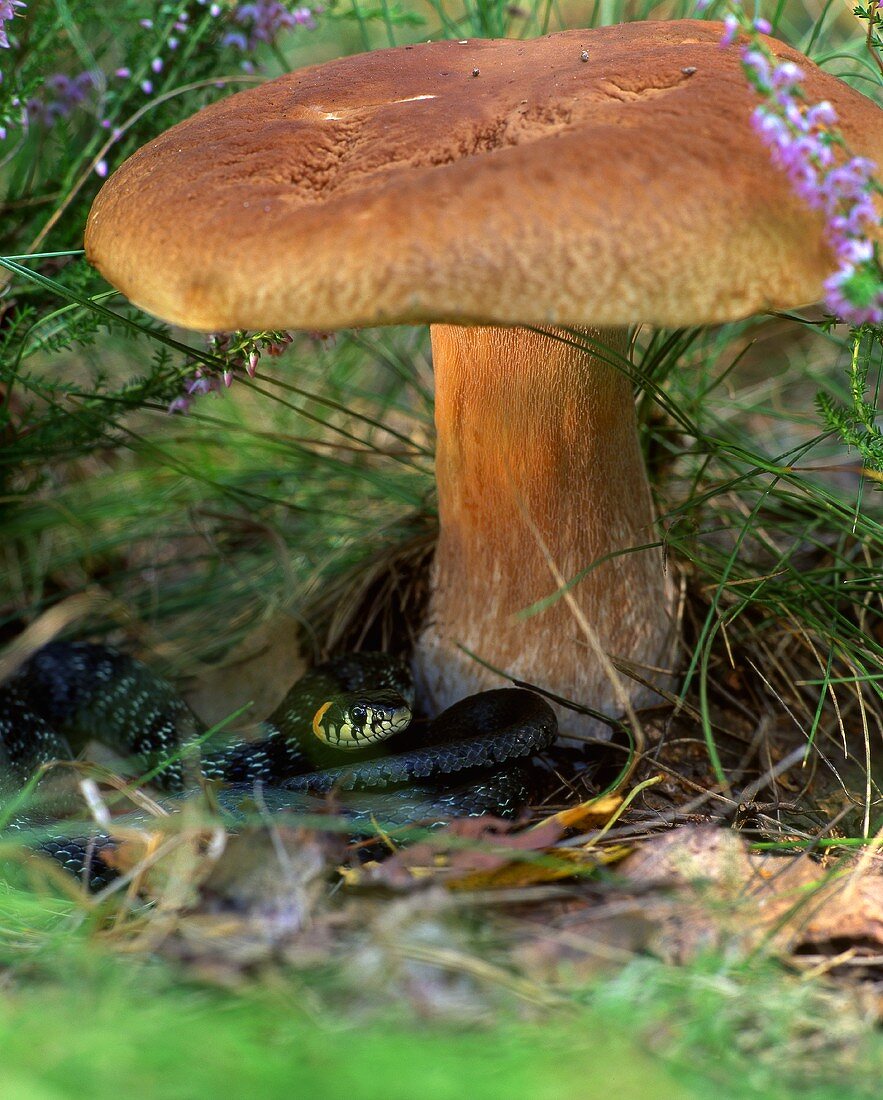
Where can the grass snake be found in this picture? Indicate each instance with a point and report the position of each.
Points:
(343, 727)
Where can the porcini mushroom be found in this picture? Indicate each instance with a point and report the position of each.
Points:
(553, 191)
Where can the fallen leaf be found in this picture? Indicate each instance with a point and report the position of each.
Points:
(268, 661)
(705, 889)
(489, 853)
(464, 846)
(554, 865)
(689, 855)
(593, 814)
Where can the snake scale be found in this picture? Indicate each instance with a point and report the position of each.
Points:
(328, 735)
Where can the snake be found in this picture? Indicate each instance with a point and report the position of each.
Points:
(343, 729)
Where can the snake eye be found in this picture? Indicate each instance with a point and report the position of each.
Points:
(359, 712)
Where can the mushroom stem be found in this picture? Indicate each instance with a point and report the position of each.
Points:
(537, 458)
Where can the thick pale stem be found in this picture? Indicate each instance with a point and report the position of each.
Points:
(538, 458)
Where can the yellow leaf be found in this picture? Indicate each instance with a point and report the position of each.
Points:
(593, 814)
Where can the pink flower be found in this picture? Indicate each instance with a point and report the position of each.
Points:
(731, 30)
(7, 13)
(264, 21)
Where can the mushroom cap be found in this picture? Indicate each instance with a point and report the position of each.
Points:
(486, 181)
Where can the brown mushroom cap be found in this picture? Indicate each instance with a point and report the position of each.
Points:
(399, 187)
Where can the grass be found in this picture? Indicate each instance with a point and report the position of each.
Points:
(274, 498)
(78, 1018)
(743, 1029)
(269, 1046)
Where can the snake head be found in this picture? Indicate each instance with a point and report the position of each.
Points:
(354, 721)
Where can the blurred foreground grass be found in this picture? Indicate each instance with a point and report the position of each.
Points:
(132, 1028)
(184, 1044)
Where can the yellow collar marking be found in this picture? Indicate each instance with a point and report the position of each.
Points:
(317, 718)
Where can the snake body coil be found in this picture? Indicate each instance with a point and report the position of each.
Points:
(464, 763)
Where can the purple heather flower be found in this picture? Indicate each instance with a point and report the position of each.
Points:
(786, 75)
(263, 21)
(762, 26)
(246, 358)
(731, 30)
(202, 383)
(7, 13)
(854, 176)
(854, 250)
(820, 115)
(123, 73)
(801, 143)
(101, 169)
(856, 294)
(791, 110)
(61, 96)
(236, 39)
(769, 125)
(758, 64)
(73, 89)
(859, 218)
(156, 64)
(147, 86)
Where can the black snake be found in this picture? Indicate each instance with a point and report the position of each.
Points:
(322, 738)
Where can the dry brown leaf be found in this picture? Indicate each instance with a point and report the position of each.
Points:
(276, 869)
(696, 887)
(688, 855)
(48, 625)
(488, 853)
(259, 905)
(167, 863)
(467, 845)
(568, 943)
(712, 891)
(813, 912)
(557, 864)
(852, 911)
(267, 663)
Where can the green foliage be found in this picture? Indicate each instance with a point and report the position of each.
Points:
(158, 1041)
(856, 423)
(873, 16)
(77, 1020)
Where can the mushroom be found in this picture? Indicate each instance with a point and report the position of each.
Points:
(529, 199)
